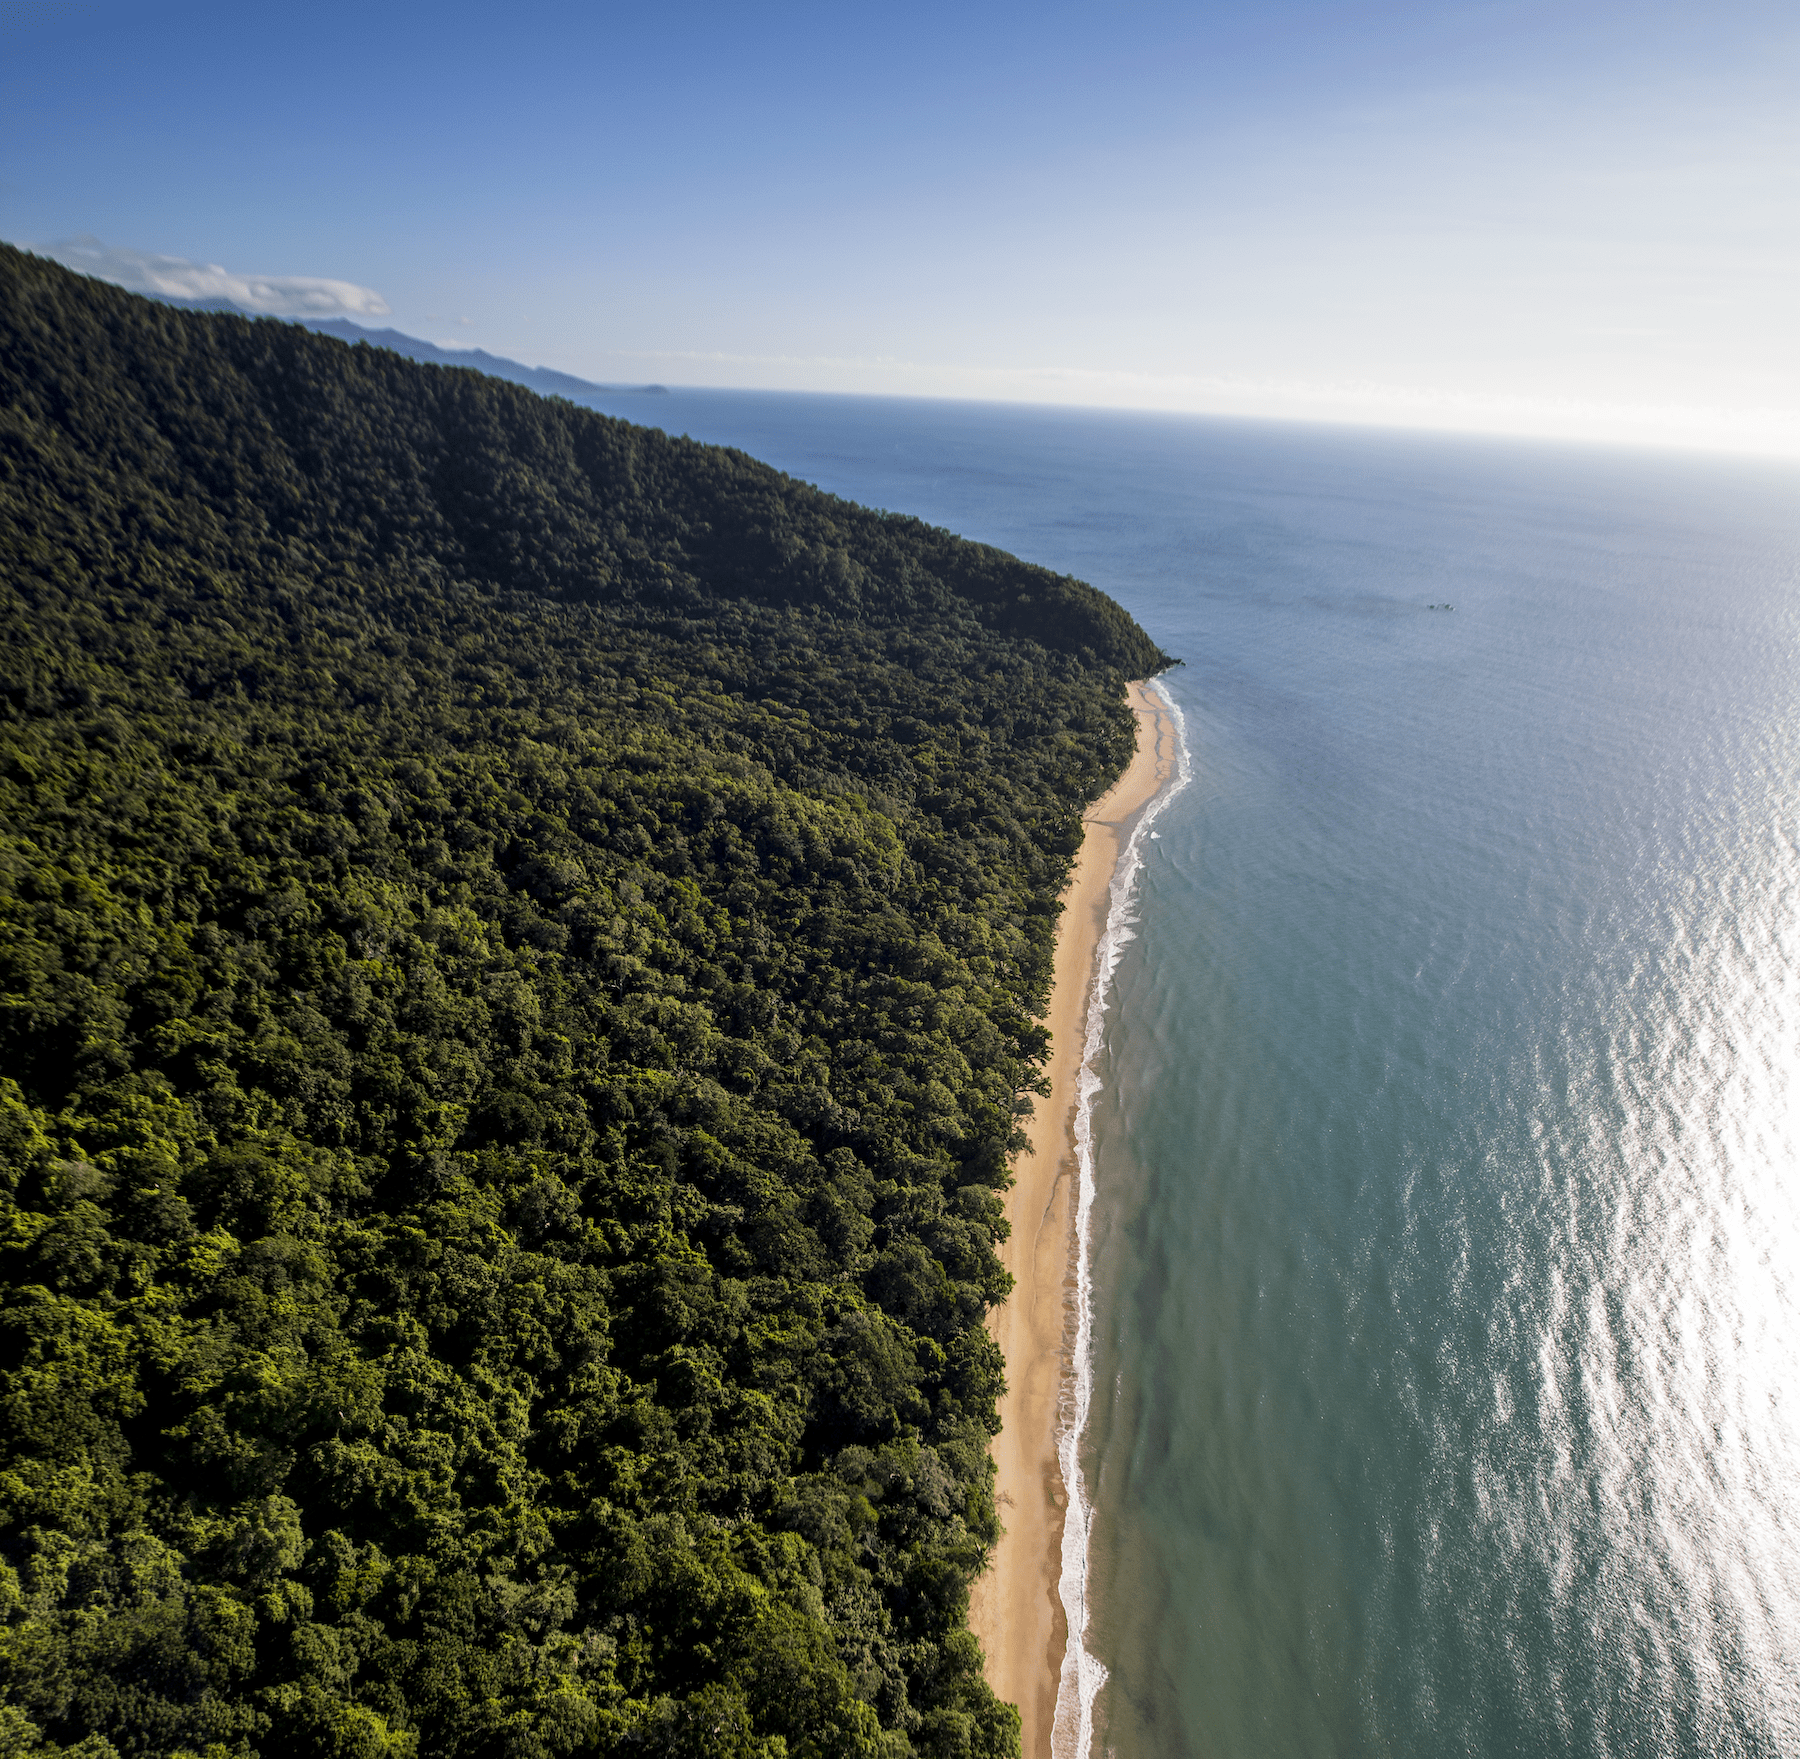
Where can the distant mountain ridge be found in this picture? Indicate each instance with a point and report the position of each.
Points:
(543, 379)
(536, 378)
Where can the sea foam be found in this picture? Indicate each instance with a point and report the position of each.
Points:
(1083, 1673)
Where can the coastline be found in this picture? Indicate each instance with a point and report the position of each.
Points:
(1016, 1608)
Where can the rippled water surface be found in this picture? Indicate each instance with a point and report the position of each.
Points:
(1447, 1238)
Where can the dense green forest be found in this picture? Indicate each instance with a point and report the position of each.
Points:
(521, 942)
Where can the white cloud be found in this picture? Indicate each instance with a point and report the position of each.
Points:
(308, 296)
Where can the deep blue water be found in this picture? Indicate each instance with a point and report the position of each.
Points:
(1447, 1237)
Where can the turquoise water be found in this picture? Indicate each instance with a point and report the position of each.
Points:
(1446, 1237)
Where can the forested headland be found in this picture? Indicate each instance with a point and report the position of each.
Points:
(521, 948)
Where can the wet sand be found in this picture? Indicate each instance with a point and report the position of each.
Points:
(1016, 1610)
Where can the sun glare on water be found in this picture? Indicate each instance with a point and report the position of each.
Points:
(1669, 1369)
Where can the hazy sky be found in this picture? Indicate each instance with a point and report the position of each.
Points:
(1579, 217)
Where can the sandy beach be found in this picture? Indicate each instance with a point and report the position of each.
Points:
(1016, 1611)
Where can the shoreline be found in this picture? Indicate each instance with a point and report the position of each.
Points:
(1016, 1607)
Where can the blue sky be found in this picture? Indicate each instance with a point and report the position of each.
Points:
(1575, 219)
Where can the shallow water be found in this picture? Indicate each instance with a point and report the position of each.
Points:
(1447, 1231)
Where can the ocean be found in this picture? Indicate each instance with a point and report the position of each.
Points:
(1445, 1234)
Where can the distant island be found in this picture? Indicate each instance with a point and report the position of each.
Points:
(524, 946)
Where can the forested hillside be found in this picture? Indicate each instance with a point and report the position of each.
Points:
(520, 943)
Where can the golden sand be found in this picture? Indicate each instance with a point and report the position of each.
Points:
(1016, 1611)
